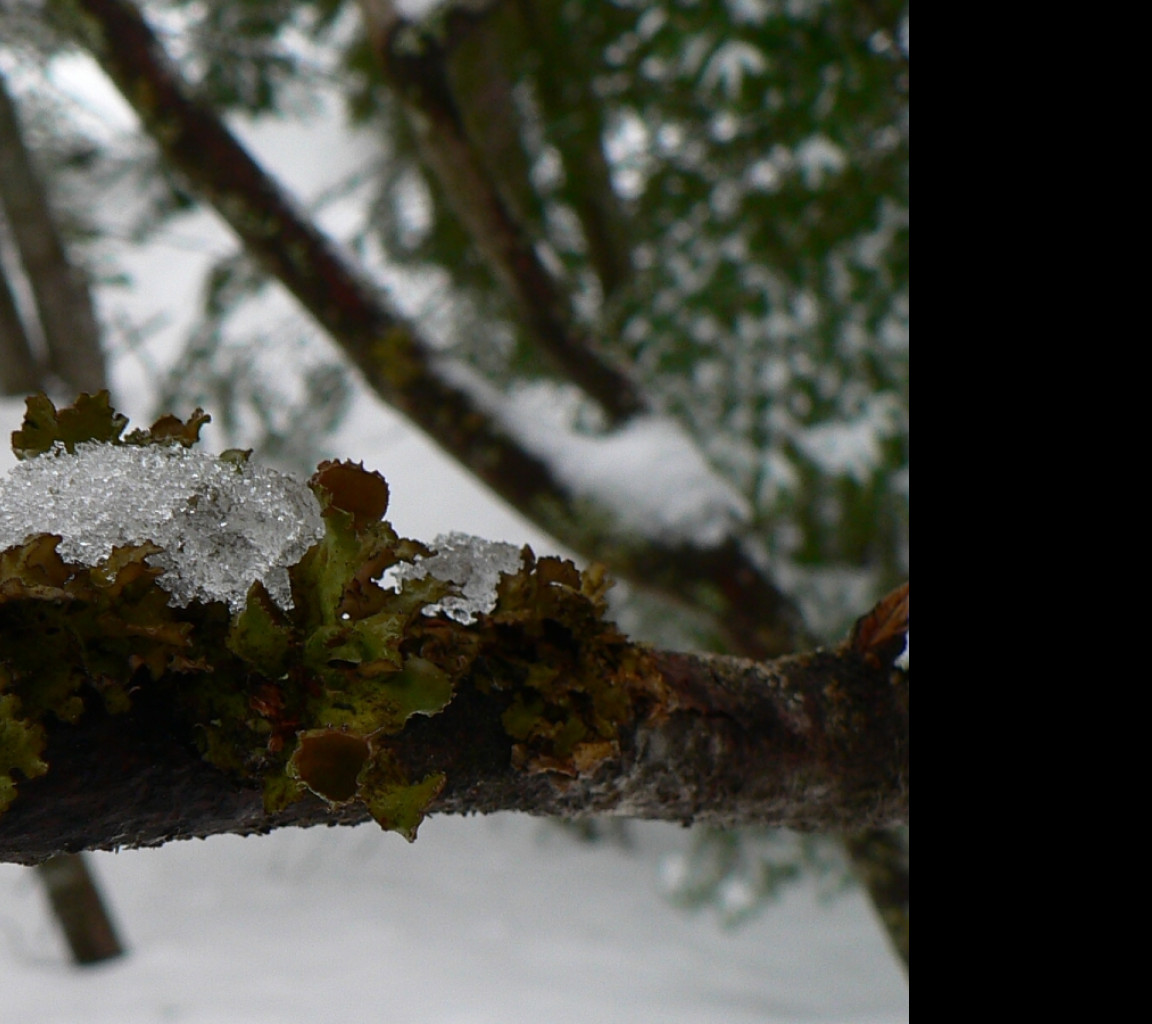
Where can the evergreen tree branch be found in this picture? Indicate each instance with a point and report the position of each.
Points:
(576, 128)
(757, 619)
(416, 65)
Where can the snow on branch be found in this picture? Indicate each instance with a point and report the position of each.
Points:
(472, 563)
(648, 474)
(222, 525)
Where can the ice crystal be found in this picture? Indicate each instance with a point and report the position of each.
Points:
(473, 564)
(222, 525)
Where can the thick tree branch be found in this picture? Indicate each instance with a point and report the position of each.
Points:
(756, 617)
(63, 302)
(818, 741)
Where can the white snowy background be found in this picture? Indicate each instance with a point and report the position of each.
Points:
(496, 920)
(503, 920)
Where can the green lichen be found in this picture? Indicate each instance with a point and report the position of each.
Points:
(92, 418)
(396, 803)
(328, 762)
(313, 699)
(72, 635)
(336, 672)
(572, 677)
(254, 688)
(342, 767)
(21, 744)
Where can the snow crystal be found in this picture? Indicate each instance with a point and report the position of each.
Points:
(222, 525)
(473, 564)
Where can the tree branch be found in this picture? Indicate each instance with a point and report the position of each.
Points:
(63, 302)
(756, 617)
(880, 860)
(416, 65)
(577, 130)
(818, 741)
(19, 372)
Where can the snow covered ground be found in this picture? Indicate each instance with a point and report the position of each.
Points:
(500, 920)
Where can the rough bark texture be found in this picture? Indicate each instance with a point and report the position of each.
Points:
(818, 741)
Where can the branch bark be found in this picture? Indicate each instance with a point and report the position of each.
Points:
(753, 614)
(817, 741)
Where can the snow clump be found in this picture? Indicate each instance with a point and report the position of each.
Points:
(473, 564)
(222, 525)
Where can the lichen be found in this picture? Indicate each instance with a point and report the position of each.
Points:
(572, 677)
(21, 744)
(336, 672)
(92, 418)
(314, 698)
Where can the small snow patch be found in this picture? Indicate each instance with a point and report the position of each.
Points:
(472, 563)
